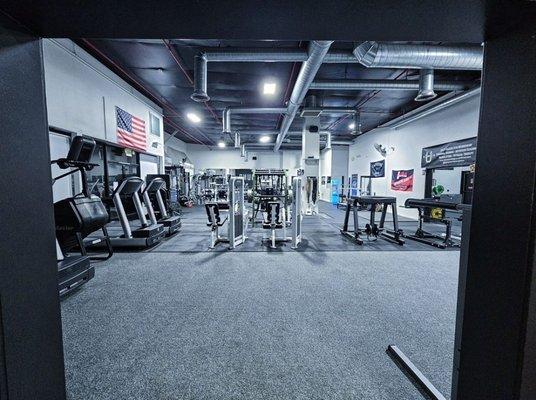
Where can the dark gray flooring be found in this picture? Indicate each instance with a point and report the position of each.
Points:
(254, 325)
(320, 233)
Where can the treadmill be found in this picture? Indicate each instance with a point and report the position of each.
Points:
(75, 218)
(152, 193)
(147, 234)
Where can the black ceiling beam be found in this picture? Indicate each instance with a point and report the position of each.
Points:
(350, 20)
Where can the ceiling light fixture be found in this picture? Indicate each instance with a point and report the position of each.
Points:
(351, 126)
(264, 139)
(269, 88)
(193, 117)
(221, 144)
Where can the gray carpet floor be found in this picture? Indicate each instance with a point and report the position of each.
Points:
(259, 325)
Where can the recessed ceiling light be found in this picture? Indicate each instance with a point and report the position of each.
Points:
(221, 144)
(193, 117)
(269, 88)
(264, 139)
(351, 126)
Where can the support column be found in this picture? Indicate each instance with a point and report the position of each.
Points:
(31, 350)
(310, 164)
(495, 355)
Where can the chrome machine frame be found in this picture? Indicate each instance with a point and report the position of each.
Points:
(296, 212)
(148, 234)
(294, 220)
(237, 208)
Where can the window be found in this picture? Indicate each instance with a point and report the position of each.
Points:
(95, 176)
(154, 124)
(120, 164)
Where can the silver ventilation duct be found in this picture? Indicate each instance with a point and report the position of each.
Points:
(227, 113)
(426, 85)
(254, 55)
(317, 51)
(328, 140)
(370, 54)
(385, 84)
(391, 55)
(200, 79)
(237, 140)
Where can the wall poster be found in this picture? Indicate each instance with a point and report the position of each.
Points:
(377, 169)
(402, 180)
(354, 186)
(454, 154)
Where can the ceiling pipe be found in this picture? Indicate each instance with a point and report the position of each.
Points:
(386, 84)
(254, 55)
(274, 55)
(426, 85)
(370, 54)
(227, 113)
(408, 56)
(430, 108)
(200, 79)
(317, 51)
(237, 140)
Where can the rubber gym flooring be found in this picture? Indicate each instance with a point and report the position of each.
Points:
(260, 324)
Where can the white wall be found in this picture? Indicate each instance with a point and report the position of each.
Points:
(203, 157)
(175, 150)
(456, 122)
(82, 95)
(333, 163)
(325, 171)
(339, 163)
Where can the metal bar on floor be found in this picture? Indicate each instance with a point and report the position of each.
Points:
(427, 389)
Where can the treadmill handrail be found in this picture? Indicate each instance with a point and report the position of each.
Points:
(125, 181)
(156, 181)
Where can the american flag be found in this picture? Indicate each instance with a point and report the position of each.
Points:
(130, 130)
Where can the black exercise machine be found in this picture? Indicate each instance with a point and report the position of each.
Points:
(434, 210)
(77, 217)
(372, 230)
(236, 228)
(147, 233)
(152, 194)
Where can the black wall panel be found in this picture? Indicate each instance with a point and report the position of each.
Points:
(500, 257)
(31, 321)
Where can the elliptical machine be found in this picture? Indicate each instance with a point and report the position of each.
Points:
(75, 218)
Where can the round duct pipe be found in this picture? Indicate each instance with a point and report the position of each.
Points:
(243, 150)
(426, 85)
(200, 79)
(236, 140)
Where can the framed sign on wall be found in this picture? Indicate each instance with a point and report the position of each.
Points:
(377, 169)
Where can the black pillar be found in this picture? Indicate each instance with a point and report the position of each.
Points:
(31, 353)
(495, 354)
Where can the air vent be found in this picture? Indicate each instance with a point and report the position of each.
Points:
(310, 112)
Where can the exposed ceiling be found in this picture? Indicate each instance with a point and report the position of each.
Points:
(163, 70)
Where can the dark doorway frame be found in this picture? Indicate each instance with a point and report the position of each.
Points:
(495, 355)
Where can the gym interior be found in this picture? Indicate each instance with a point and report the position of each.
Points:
(307, 211)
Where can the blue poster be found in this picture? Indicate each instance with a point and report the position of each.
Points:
(354, 186)
(334, 191)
